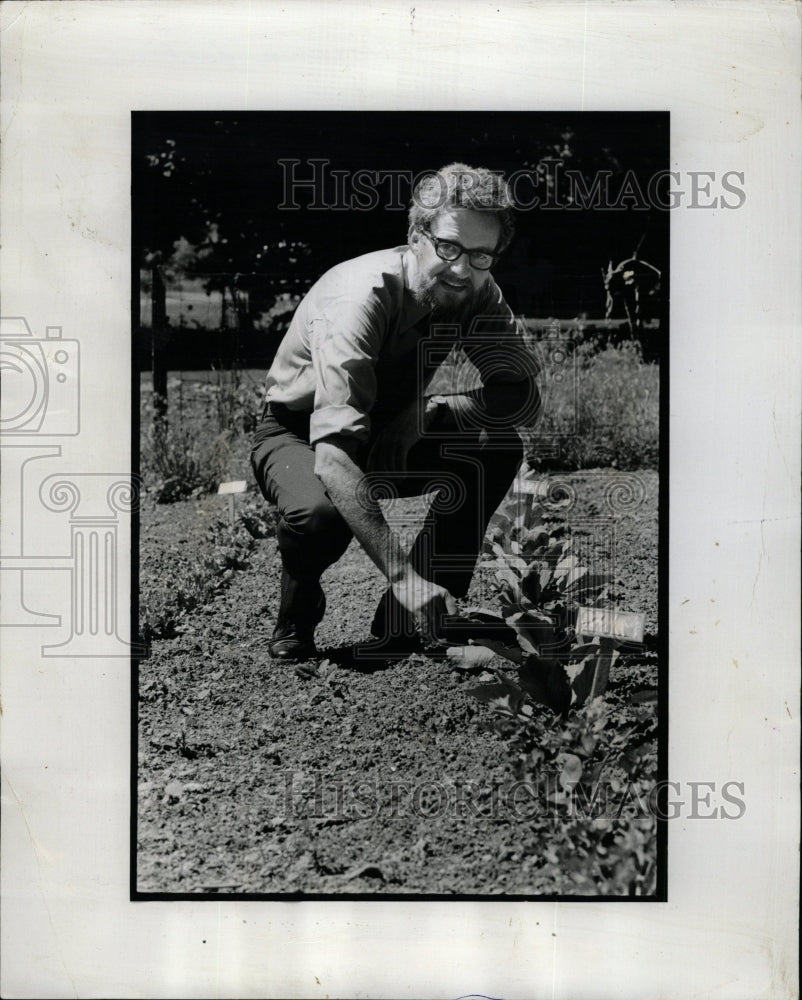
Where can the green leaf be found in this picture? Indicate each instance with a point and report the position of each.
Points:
(507, 577)
(530, 585)
(519, 565)
(588, 582)
(535, 629)
(575, 576)
(533, 538)
(545, 682)
(503, 696)
(499, 550)
(512, 608)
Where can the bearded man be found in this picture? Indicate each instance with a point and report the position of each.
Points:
(357, 398)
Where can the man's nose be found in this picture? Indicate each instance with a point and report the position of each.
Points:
(461, 267)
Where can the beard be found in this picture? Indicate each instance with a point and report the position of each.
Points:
(446, 305)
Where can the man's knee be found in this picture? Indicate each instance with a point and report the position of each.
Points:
(318, 517)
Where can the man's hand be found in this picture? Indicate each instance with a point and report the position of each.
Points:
(389, 451)
(426, 601)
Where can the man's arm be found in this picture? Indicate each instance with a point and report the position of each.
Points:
(343, 479)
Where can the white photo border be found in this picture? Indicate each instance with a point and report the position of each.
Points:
(729, 74)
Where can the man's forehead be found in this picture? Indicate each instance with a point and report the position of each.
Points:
(468, 226)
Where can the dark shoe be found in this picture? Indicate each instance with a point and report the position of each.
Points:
(303, 605)
(292, 643)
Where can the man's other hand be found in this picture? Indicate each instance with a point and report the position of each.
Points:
(389, 451)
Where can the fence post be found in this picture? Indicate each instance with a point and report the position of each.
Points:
(158, 337)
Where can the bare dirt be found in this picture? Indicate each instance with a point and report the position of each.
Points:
(357, 777)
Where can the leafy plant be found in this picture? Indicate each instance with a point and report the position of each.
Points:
(590, 761)
(593, 775)
(178, 463)
(194, 579)
(541, 582)
(204, 438)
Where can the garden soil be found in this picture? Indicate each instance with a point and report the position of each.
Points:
(340, 776)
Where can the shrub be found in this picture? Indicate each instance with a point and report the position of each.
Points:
(180, 461)
(605, 413)
(204, 438)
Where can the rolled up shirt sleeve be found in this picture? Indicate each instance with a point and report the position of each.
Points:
(344, 345)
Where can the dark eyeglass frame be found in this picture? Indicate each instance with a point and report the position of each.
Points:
(437, 243)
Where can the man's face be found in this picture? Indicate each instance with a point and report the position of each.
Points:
(452, 288)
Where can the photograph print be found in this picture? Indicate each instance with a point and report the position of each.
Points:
(400, 562)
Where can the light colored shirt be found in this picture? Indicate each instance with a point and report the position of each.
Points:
(354, 348)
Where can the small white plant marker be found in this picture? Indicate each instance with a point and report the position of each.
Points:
(231, 489)
(609, 626)
(610, 623)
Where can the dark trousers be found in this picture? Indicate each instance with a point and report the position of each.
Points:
(469, 470)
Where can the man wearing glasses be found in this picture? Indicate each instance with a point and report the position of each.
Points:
(359, 406)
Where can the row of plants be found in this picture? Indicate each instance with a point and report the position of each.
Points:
(176, 580)
(600, 408)
(586, 750)
(201, 437)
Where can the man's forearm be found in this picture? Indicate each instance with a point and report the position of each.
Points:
(344, 481)
(347, 487)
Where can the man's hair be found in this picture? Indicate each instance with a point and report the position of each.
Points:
(461, 186)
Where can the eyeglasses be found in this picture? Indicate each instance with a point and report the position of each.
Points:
(482, 260)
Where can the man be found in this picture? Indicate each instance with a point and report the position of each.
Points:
(351, 404)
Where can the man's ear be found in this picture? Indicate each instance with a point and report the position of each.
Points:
(413, 237)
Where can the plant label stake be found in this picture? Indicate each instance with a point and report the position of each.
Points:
(601, 675)
(610, 627)
(610, 623)
(231, 489)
